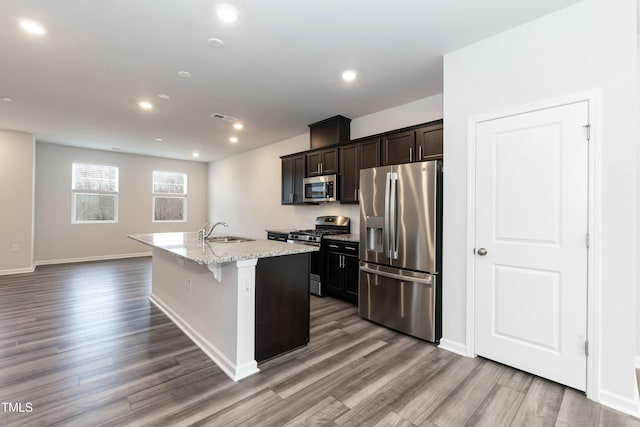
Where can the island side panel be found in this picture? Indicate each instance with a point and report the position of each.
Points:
(212, 313)
(282, 305)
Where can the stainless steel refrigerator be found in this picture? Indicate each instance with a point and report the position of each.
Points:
(400, 248)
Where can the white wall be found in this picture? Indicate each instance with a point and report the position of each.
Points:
(16, 222)
(244, 190)
(57, 240)
(413, 113)
(638, 210)
(591, 45)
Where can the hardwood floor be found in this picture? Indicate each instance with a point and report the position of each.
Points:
(80, 344)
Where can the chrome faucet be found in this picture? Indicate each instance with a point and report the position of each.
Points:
(203, 234)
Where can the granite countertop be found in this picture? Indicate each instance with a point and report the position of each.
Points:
(187, 245)
(353, 238)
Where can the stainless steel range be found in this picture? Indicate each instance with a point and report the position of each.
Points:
(325, 225)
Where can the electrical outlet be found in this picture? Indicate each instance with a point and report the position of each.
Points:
(15, 247)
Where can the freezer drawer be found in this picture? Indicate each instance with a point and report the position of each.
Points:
(399, 299)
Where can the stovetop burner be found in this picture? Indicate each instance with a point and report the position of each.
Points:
(307, 231)
(325, 225)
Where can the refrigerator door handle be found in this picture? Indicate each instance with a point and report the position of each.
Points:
(427, 281)
(387, 223)
(393, 220)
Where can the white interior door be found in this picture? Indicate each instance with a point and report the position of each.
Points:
(531, 242)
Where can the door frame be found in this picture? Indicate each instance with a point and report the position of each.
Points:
(594, 257)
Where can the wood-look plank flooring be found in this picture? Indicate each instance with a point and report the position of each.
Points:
(82, 345)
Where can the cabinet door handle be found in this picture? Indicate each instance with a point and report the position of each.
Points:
(351, 248)
(333, 246)
(321, 167)
(318, 169)
(355, 194)
(420, 152)
(341, 261)
(410, 154)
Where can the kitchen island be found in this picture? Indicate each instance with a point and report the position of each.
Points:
(241, 302)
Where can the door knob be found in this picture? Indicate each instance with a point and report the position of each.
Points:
(482, 251)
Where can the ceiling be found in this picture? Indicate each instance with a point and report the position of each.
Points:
(278, 71)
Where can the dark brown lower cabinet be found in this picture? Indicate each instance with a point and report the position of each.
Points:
(282, 305)
(342, 270)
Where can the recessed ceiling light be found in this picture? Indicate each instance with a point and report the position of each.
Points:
(33, 27)
(217, 43)
(195, 154)
(227, 13)
(159, 139)
(7, 99)
(163, 96)
(349, 75)
(184, 74)
(145, 105)
(233, 139)
(238, 126)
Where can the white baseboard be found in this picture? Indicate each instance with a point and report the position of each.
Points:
(11, 271)
(454, 347)
(92, 258)
(234, 372)
(620, 403)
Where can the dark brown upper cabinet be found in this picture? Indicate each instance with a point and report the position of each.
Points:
(331, 131)
(429, 142)
(369, 153)
(346, 158)
(398, 148)
(322, 162)
(349, 174)
(292, 180)
(354, 157)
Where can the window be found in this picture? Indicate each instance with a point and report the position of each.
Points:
(169, 197)
(94, 193)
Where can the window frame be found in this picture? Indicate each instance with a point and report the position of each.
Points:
(114, 194)
(156, 195)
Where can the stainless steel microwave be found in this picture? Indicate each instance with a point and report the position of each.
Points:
(321, 189)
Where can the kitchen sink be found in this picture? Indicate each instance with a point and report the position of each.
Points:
(228, 239)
